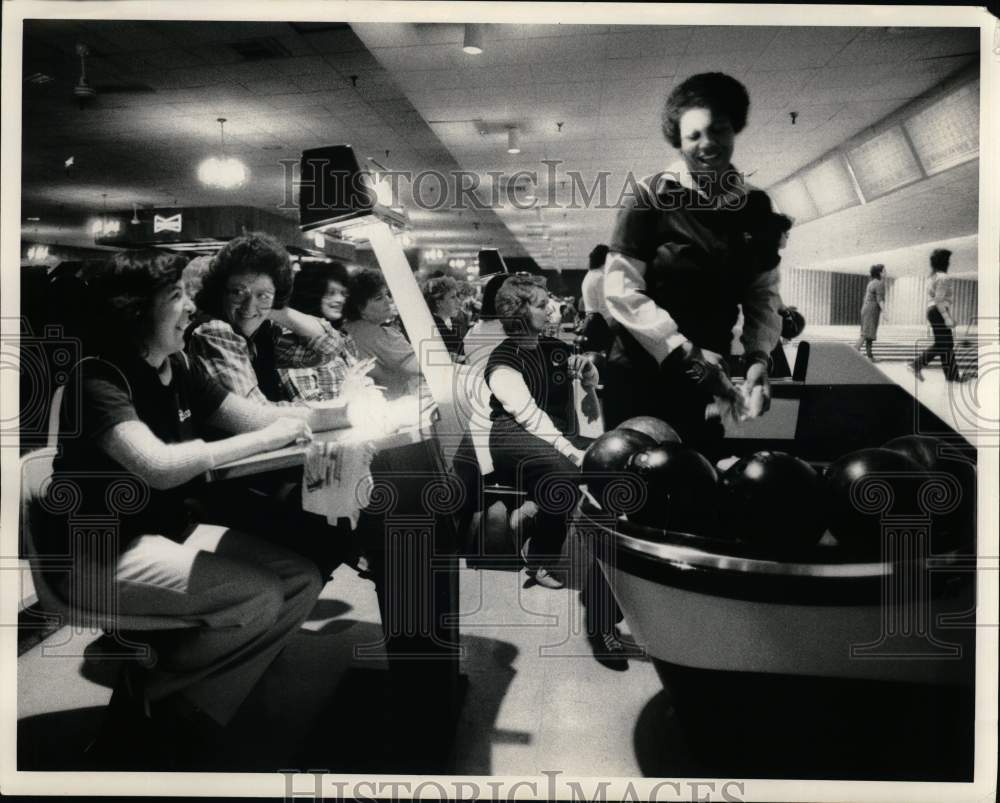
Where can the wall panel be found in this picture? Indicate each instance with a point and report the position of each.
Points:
(906, 300)
(847, 291)
(809, 290)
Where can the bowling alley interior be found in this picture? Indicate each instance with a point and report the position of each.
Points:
(421, 577)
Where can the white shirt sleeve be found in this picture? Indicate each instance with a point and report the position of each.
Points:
(136, 447)
(511, 391)
(589, 292)
(651, 325)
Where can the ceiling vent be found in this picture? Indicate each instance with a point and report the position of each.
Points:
(261, 49)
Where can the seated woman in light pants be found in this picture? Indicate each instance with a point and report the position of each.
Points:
(130, 448)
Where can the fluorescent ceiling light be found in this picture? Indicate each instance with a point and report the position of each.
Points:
(473, 43)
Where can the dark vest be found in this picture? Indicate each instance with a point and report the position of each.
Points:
(700, 262)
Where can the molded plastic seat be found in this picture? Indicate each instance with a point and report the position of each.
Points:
(35, 475)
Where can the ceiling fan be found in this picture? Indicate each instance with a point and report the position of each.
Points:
(84, 92)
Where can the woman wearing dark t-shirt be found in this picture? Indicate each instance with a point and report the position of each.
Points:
(130, 451)
(530, 378)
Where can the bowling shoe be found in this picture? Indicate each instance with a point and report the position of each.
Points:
(917, 369)
(545, 578)
(609, 651)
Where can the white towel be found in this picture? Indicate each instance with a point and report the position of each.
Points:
(336, 481)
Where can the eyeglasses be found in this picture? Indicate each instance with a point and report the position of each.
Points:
(238, 295)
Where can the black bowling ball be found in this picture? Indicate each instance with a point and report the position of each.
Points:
(659, 431)
(680, 489)
(954, 527)
(921, 448)
(792, 323)
(773, 499)
(604, 468)
(890, 486)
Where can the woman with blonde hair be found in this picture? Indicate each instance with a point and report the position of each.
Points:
(530, 378)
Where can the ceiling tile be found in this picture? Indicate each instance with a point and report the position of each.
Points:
(605, 84)
(557, 72)
(722, 38)
(302, 65)
(659, 67)
(733, 62)
(130, 36)
(389, 34)
(647, 41)
(337, 41)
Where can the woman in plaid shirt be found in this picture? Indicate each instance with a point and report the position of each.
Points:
(252, 333)
(320, 290)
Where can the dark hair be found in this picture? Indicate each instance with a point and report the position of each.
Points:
(597, 256)
(940, 259)
(437, 288)
(255, 252)
(712, 90)
(511, 300)
(122, 293)
(313, 282)
(194, 274)
(488, 312)
(876, 271)
(362, 287)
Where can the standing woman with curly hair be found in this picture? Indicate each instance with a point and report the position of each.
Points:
(692, 247)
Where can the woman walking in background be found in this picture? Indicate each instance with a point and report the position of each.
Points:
(872, 308)
(939, 297)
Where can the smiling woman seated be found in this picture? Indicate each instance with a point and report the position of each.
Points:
(320, 290)
(441, 295)
(132, 450)
(368, 310)
(530, 377)
(251, 335)
(252, 332)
